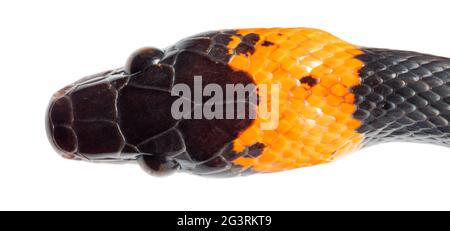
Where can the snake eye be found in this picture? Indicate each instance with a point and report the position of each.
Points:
(143, 58)
(157, 166)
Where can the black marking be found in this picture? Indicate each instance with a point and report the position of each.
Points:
(245, 49)
(204, 138)
(309, 80)
(403, 96)
(256, 150)
(247, 45)
(267, 43)
(250, 39)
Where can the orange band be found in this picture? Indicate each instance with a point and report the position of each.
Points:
(315, 72)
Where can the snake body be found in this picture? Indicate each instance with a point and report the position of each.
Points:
(334, 98)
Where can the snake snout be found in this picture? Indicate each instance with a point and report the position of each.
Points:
(82, 119)
(58, 119)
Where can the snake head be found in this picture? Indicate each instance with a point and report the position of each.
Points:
(108, 116)
(126, 114)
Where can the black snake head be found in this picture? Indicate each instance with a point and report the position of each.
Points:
(110, 116)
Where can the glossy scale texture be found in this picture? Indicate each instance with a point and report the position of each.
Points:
(334, 98)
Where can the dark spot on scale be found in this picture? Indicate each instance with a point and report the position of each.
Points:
(280, 34)
(245, 49)
(251, 38)
(309, 80)
(256, 149)
(267, 43)
(247, 46)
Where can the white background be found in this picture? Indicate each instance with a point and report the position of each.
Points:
(45, 45)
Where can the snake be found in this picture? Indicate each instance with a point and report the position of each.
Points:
(332, 98)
